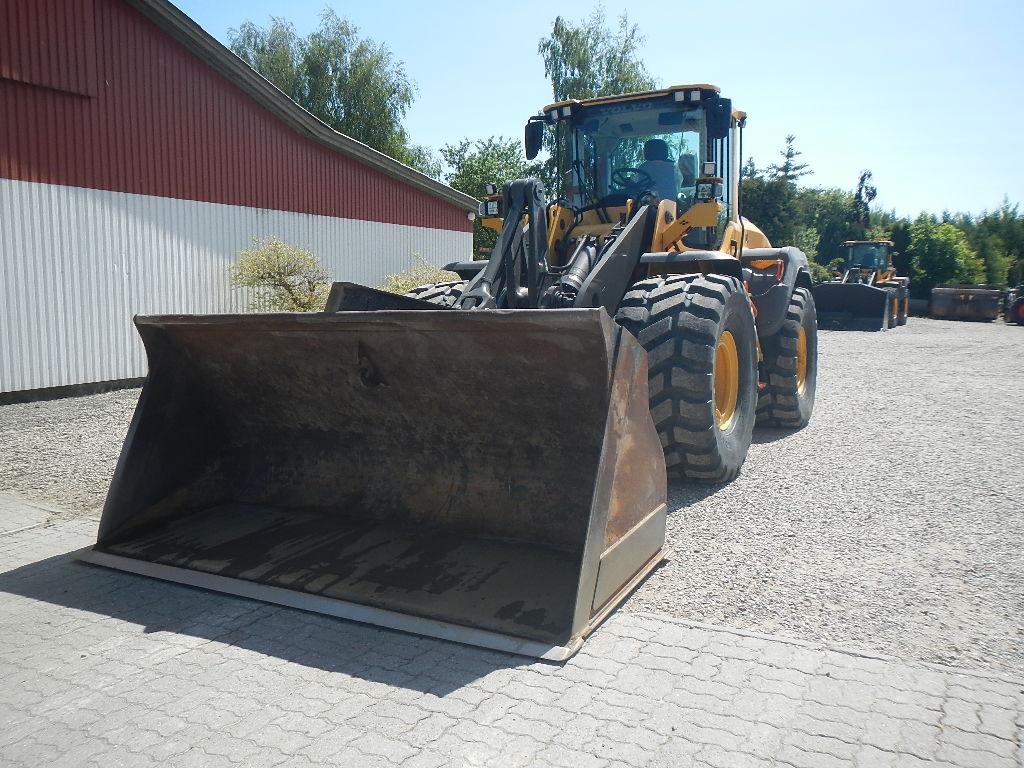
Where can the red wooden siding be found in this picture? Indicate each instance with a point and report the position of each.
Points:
(164, 123)
(49, 43)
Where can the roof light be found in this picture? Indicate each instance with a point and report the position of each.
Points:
(694, 95)
(566, 111)
(679, 95)
(553, 114)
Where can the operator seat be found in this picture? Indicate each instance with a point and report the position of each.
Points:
(687, 169)
(663, 172)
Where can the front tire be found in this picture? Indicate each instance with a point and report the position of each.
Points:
(904, 311)
(445, 294)
(791, 367)
(699, 334)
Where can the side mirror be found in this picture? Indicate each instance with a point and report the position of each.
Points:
(719, 116)
(534, 138)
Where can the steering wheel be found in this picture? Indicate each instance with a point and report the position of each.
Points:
(621, 177)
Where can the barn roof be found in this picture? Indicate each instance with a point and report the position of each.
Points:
(223, 61)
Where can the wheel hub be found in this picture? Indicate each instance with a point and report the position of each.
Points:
(801, 361)
(727, 381)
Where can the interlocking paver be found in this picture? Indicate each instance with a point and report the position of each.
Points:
(100, 668)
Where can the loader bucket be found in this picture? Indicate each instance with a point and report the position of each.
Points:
(851, 306)
(492, 477)
(965, 302)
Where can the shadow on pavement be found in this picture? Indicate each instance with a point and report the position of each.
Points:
(764, 435)
(322, 642)
(682, 494)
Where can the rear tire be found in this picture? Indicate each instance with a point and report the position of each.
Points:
(444, 294)
(1018, 312)
(787, 400)
(689, 325)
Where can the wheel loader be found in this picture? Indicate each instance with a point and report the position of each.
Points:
(484, 460)
(868, 296)
(1013, 306)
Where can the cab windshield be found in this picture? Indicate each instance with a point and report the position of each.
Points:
(623, 150)
(868, 255)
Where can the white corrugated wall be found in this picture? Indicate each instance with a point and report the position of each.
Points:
(76, 264)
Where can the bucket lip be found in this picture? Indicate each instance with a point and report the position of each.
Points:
(837, 286)
(588, 315)
(593, 322)
(329, 606)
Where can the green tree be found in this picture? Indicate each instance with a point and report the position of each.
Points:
(789, 170)
(807, 239)
(831, 213)
(819, 273)
(352, 83)
(769, 203)
(471, 165)
(285, 278)
(585, 60)
(593, 59)
(419, 273)
(993, 255)
(769, 198)
(998, 237)
(1008, 224)
(863, 196)
(940, 253)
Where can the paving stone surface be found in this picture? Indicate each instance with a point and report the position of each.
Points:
(100, 668)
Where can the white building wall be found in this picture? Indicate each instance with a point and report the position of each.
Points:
(76, 264)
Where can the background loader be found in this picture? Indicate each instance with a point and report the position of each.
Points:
(478, 461)
(1013, 307)
(869, 296)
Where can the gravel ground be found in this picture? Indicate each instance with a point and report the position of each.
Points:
(893, 523)
(62, 452)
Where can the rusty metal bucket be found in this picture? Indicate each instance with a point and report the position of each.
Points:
(491, 477)
(851, 306)
(965, 302)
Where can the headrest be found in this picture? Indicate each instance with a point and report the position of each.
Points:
(655, 149)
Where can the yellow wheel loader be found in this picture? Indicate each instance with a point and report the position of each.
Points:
(869, 296)
(478, 461)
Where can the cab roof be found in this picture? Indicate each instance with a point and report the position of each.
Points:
(867, 242)
(632, 96)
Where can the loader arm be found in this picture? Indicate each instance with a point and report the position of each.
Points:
(500, 283)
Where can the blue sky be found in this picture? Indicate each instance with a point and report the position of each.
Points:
(928, 95)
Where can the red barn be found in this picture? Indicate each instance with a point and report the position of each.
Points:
(138, 156)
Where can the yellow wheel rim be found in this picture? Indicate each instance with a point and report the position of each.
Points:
(727, 381)
(801, 361)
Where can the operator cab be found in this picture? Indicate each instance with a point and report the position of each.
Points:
(868, 255)
(639, 148)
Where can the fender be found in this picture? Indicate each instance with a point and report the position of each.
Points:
(770, 295)
(712, 262)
